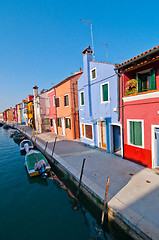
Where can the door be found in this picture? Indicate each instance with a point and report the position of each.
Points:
(157, 147)
(116, 138)
(103, 135)
(63, 126)
(54, 125)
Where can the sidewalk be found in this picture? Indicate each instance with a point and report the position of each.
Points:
(133, 191)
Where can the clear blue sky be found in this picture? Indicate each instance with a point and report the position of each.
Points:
(41, 40)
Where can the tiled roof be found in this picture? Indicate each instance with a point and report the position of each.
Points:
(88, 48)
(138, 56)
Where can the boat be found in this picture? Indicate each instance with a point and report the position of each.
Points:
(5, 126)
(1, 124)
(25, 146)
(18, 138)
(13, 133)
(36, 164)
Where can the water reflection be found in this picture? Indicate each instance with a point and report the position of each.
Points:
(37, 180)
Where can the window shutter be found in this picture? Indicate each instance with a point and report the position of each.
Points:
(153, 79)
(105, 92)
(131, 132)
(139, 83)
(69, 123)
(138, 133)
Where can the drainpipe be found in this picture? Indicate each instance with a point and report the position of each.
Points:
(122, 110)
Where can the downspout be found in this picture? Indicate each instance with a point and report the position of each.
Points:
(122, 110)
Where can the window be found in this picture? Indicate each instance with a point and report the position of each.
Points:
(66, 100)
(104, 93)
(59, 122)
(93, 74)
(146, 81)
(68, 123)
(57, 102)
(82, 98)
(54, 100)
(88, 131)
(49, 102)
(135, 128)
(51, 122)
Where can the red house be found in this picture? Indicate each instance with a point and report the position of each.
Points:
(139, 107)
(52, 110)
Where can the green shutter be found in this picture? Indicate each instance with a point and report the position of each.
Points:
(82, 98)
(131, 133)
(153, 79)
(138, 133)
(105, 92)
(139, 83)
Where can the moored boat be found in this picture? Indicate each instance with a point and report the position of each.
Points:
(25, 146)
(18, 138)
(1, 124)
(5, 126)
(14, 133)
(36, 164)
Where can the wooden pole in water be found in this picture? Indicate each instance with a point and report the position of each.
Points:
(53, 147)
(81, 176)
(32, 133)
(105, 200)
(35, 137)
(46, 146)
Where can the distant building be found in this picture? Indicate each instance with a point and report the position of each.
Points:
(52, 110)
(30, 111)
(98, 104)
(1, 117)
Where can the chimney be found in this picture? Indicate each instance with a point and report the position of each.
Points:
(35, 91)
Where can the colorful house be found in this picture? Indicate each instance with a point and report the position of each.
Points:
(52, 110)
(41, 110)
(67, 106)
(98, 102)
(10, 115)
(139, 87)
(24, 112)
(1, 117)
(30, 111)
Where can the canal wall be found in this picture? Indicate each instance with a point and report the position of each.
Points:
(130, 221)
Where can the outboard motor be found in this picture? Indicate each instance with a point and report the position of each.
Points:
(26, 147)
(41, 168)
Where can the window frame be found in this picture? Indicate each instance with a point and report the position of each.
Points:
(91, 73)
(59, 102)
(58, 122)
(81, 99)
(49, 102)
(54, 100)
(51, 121)
(101, 91)
(66, 123)
(85, 131)
(128, 132)
(68, 100)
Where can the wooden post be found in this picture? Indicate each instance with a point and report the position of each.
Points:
(46, 146)
(53, 147)
(32, 133)
(35, 137)
(81, 177)
(105, 200)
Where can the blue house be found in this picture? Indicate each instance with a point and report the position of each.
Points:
(98, 104)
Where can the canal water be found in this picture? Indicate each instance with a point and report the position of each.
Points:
(36, 208)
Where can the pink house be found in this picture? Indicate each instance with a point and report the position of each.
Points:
(52, 110)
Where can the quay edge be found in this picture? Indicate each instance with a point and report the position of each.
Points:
(115, 219)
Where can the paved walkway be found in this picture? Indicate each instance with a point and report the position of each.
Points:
(133, 191)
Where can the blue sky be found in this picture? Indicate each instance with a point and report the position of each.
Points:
(41, 40)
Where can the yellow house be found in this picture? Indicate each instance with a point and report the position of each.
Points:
(30, 113)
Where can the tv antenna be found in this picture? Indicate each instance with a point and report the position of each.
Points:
(106, 45)
(91, 36)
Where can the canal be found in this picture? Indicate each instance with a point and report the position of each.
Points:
(36, 208)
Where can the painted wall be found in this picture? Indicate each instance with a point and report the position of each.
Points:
(69, 86)
(52, 109)
(44, 110)
(94, 110)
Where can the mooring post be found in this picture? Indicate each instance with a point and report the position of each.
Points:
(81, 177)
(35, 137)
(53, 147)
(105, 200)
(46, 146)
(32, 133)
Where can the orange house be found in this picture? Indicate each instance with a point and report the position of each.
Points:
(67, 106)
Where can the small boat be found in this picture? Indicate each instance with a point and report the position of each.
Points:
(14, 133)
(18, 138)
(25, 146)
(1, 124)
(5, 126)
(36, 164)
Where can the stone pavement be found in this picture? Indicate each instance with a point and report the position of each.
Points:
(133, 190)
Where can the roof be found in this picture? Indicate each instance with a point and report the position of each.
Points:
(103, 62)
(67, 79)
(87, 49)
(151, 51)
